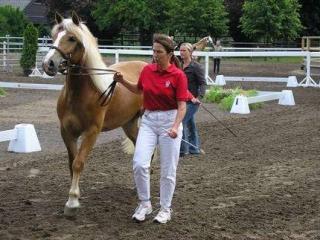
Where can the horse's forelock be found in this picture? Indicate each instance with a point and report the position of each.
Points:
(81, 32)
(91, 56)
(55, 30)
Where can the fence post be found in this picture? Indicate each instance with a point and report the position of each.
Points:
(308, 68)
(8, 42)
(4, 57)
(206, 66)
(308, 81)
(46, 39)
(209, 81)
(42, 41)
(116, 57)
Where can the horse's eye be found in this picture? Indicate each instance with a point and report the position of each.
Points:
(71, 39)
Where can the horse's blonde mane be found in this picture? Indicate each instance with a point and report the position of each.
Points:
(91, 58)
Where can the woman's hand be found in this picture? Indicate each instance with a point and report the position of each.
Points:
(173, 133)
(118, 77)
(195, 101)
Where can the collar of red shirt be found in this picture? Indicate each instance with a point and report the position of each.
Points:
(155, 68)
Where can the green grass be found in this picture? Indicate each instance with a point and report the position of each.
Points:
(2, 92)
(225, 97)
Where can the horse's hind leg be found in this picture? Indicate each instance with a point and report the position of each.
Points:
(131, 129)
(71, 144)
(88, 140)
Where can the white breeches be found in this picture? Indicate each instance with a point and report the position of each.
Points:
(152, 132)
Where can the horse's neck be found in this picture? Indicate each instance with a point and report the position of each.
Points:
(75, 83)
(201, 45)
(101, 82)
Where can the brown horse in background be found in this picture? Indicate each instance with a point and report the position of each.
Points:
(79, 106)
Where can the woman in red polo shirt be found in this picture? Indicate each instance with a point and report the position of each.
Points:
(164, 89)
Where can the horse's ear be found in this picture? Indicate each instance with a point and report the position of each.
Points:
(58, 18)
(75, 18)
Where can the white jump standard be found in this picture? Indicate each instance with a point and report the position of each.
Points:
(23, 139)
(241, 103)
(291, 80)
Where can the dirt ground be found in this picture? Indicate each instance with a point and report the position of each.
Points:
(263, 184)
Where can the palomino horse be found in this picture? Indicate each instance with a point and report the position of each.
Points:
(202, 43)
(79, 106)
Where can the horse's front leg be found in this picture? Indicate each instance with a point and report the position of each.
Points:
(88, 139)
(70, 141)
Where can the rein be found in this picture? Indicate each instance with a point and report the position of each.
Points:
(104, 71)
(107, 94)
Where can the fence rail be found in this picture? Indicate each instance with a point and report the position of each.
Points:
(10, 58)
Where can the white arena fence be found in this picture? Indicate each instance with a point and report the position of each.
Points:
(10, 50)
(307, 81)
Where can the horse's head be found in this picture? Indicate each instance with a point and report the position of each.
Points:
(202, 43)
(68, 44)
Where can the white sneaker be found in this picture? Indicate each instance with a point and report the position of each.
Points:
(141, 211)
(163, 216)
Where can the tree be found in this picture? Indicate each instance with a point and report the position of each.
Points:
(12, 21)
(126, 14)
(143, 16)
(234, 8)
(83, 9)
(310, 17)
(193, 17)
(270, 20)
(65, 7)
(158, 19)
(290, 22)
(30, 47)
(200, 17)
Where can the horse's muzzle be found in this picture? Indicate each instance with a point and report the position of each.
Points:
(63, 66)
(49, 68)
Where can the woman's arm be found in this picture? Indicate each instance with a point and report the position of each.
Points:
(133, 87)
(201, 80)
(173, 132)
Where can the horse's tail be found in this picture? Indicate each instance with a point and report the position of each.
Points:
(128, 148)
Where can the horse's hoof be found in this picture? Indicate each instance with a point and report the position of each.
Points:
(70, 212)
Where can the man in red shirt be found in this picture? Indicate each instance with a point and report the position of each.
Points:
(164, 89)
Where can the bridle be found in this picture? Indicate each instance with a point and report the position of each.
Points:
(66, 57)
(66, 66)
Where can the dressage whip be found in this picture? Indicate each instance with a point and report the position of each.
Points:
(226, 127)
(200, 149)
